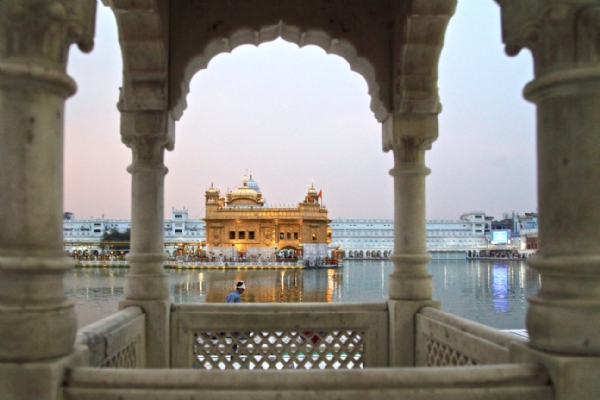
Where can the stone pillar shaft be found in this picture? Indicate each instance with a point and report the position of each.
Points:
(564, 315)
(147, 279)
(37, 321)
(410, 279)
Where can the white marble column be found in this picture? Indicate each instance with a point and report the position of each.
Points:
(563, 319)
(410, 286)
(148, 133)
(564, 37)
(37, 321)
(410, 279)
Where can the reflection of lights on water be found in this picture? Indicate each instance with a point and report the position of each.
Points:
(500, 288)
(330, 285)
(200, 280)
(522, 276)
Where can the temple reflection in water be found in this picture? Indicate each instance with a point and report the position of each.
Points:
(262, 286)
(493, 293)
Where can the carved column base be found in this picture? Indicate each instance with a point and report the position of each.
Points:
(158, 329)
(563, 317)
(403, 330)
(572, 377)
(39, 380)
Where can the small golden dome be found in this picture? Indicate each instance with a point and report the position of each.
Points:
(212, 190)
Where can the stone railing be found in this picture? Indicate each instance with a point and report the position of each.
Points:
(506, 382)
(117, 341)
(443, 339)
(281, 336)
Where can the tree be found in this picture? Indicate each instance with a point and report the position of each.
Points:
(114, 235)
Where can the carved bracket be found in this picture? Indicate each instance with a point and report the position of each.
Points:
(418, 40)
(143, 34)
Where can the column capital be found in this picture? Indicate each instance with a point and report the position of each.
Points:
(409, 136)
(560, 33)
(43, 30)
(147, 133)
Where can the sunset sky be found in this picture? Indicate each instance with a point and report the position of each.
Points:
(294, 115)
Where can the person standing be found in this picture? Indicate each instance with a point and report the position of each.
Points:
(235, 295)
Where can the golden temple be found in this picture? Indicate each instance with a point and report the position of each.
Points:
(240, 225)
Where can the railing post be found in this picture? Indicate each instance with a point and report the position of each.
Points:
(564, 316)
(148, 133)
(37, 322)
(410, 286)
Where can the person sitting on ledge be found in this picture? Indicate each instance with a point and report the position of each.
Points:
(235, 295)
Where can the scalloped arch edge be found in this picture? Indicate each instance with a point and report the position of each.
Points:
(290, 34)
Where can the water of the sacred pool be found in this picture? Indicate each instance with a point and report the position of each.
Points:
(490, 292)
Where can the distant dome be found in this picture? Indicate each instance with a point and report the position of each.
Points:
(244, 191)
(252, 184)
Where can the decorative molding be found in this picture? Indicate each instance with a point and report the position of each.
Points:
(560, 33)
(401, 133)
(412, 150)
(41, 32)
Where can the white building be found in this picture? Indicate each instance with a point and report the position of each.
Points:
(446, 239)
(85, 234)
(358, 238)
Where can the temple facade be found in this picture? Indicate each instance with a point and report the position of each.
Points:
(240, 225)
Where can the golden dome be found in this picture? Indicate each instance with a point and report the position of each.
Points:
(244, 191)
(244, 196)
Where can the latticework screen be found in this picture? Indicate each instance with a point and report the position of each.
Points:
(124, 358)
(441, 355)
(279, 350)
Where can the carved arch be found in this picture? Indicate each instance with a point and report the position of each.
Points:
(292, 34)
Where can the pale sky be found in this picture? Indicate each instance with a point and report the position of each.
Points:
(294, 115)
